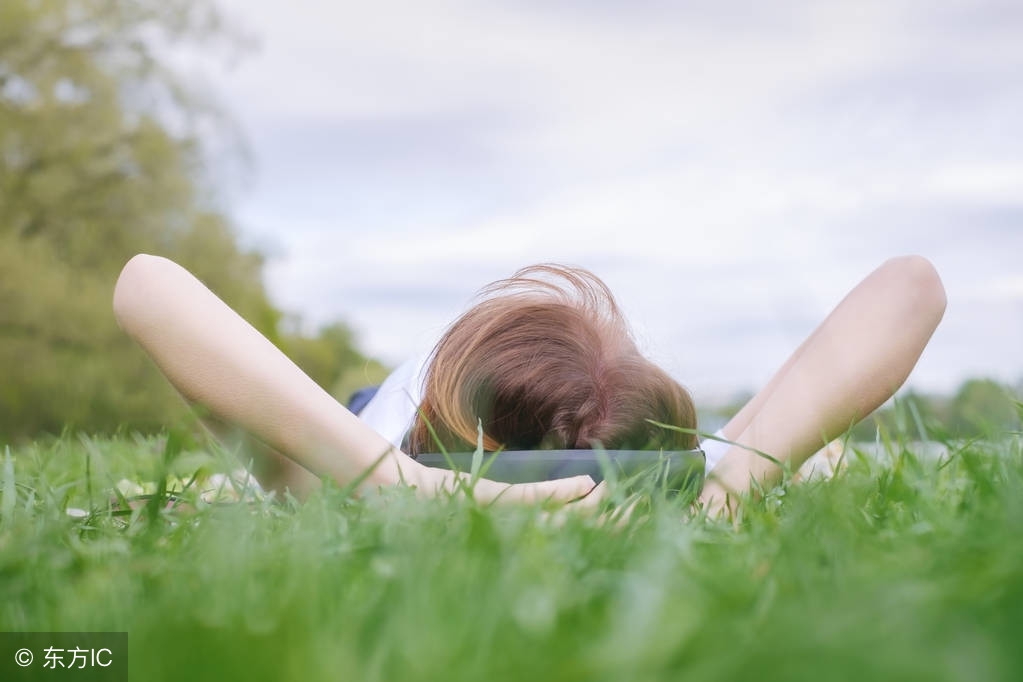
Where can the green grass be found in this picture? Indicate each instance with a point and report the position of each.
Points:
(900, 568)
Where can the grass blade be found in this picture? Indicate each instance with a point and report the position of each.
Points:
(10, 490)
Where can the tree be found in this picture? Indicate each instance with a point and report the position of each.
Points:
(983, 406)
(101, 157)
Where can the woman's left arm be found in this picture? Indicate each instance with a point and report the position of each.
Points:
(216, 358)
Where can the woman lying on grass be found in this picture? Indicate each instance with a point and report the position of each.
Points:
(543, 360)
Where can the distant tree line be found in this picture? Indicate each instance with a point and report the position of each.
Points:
(978, 408)
(101, 157)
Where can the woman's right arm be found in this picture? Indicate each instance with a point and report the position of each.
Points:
(214, 357)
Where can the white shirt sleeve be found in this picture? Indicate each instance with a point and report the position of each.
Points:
(393, 409)
(714, 450)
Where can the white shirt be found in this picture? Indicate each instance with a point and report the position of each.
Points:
(392, 410)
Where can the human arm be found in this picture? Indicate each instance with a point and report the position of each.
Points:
(214, 357)
(854, 361)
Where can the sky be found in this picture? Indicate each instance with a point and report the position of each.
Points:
(729, 169)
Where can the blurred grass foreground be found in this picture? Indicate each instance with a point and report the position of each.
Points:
(900, 567)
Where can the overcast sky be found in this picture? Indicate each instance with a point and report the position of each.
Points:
(730, 169)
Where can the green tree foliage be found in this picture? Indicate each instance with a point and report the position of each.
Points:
(100, 158)
(979, 408)
(985, 405)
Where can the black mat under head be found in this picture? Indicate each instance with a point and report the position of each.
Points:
(679, 467)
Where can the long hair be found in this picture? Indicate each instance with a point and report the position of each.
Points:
(545, 360)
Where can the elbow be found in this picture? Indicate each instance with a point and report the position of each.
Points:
(921, 284)
(131, 284)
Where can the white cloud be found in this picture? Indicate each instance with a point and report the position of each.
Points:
(998, 183)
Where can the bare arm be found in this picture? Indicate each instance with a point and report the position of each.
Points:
(216, 358)
(858, 357)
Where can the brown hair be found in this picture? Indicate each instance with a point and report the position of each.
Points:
(545, 360)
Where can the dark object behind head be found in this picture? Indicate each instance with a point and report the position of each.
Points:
(677, 470)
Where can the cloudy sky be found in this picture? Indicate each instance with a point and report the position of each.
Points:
(730, 169)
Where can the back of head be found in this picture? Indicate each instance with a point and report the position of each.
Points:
(545, 360)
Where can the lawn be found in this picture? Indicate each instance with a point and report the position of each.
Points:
(902, 567)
